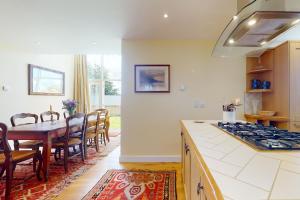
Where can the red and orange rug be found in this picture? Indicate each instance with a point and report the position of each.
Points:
(26, 186)
(135, 185)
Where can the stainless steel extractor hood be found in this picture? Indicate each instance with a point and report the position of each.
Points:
(256, 24)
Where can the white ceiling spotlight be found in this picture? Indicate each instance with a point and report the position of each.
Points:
(231, 41)
(166, 15)
(251, 22)
(295, 22)
(235, 17)
(263, 43)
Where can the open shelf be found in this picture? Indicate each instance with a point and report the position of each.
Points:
(256, 71)
(259, 90)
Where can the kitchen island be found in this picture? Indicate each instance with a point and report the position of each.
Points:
(218, 166)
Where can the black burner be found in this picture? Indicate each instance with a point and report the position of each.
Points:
(263, 137)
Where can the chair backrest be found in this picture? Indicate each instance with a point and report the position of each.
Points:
(92, 122)
(4, 145)
(23, 116)
(66, 114)
(103, 115)
(75, 124)
(49, 114)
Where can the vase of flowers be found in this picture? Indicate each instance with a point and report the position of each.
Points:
(70, 106)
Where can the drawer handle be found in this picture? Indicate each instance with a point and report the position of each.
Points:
(199, 188)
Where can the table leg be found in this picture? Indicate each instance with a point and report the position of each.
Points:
(47, 143)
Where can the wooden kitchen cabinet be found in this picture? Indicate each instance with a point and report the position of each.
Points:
(197, 184)
(285, 95)
(294, 86)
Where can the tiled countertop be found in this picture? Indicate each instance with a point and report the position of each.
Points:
(243, 173)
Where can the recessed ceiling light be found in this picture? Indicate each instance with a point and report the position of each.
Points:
(166, 15)
(235, 17)
(263, 43)
(252, 22)
(231, 41)
(94, 43)
(296, 22)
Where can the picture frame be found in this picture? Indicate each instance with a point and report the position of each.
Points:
(152, 78)
(44, 81)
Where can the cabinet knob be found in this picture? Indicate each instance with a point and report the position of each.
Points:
(199, 188)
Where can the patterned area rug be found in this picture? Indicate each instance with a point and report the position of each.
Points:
(135, 185)
(26, 186)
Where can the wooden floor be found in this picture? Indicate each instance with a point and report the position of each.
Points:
(83, 184)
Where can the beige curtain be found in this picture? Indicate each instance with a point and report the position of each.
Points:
(81, 85)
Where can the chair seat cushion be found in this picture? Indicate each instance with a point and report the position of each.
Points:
(71, 142)
(30, 144)
(19, 155)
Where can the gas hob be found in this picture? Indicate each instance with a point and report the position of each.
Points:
(262, 137)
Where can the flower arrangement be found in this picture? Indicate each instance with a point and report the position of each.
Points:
(70, 105)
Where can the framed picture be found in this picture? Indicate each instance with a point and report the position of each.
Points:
(152, 78)
(43, 81)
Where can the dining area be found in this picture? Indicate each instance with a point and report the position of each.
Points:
(38, 141)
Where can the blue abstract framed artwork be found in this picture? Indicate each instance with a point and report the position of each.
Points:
(152, 78)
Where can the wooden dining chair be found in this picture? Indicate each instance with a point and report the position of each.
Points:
(91, 131)
(75, 126)
(50, 115)
(30, 144)
(9, 159)
(104, 124)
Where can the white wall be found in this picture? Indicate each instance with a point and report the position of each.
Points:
(14, 73)
(150, 122)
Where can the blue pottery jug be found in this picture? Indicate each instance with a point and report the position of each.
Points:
(255, 84)
(266, 85)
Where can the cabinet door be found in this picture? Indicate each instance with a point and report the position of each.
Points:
(295, 82)
(196, 174)
(201, 186)
(187, 170)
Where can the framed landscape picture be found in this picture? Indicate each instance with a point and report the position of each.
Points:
(43, 81)
(152, 78)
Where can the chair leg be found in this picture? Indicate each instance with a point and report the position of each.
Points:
(85, 147)
(97, 142)
(81, 151)
(38, 171)
(104, 140)
(34, 159)
(56, 154)
(66, 153)
(59, 153)
(74, 149)
(9, 177)
(2, 170)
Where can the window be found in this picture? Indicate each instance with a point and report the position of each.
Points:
(104, 73)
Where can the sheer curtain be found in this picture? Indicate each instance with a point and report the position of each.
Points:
(81, 85)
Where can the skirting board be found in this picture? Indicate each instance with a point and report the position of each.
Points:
(162, 158)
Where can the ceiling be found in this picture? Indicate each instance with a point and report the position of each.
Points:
(97, 26)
